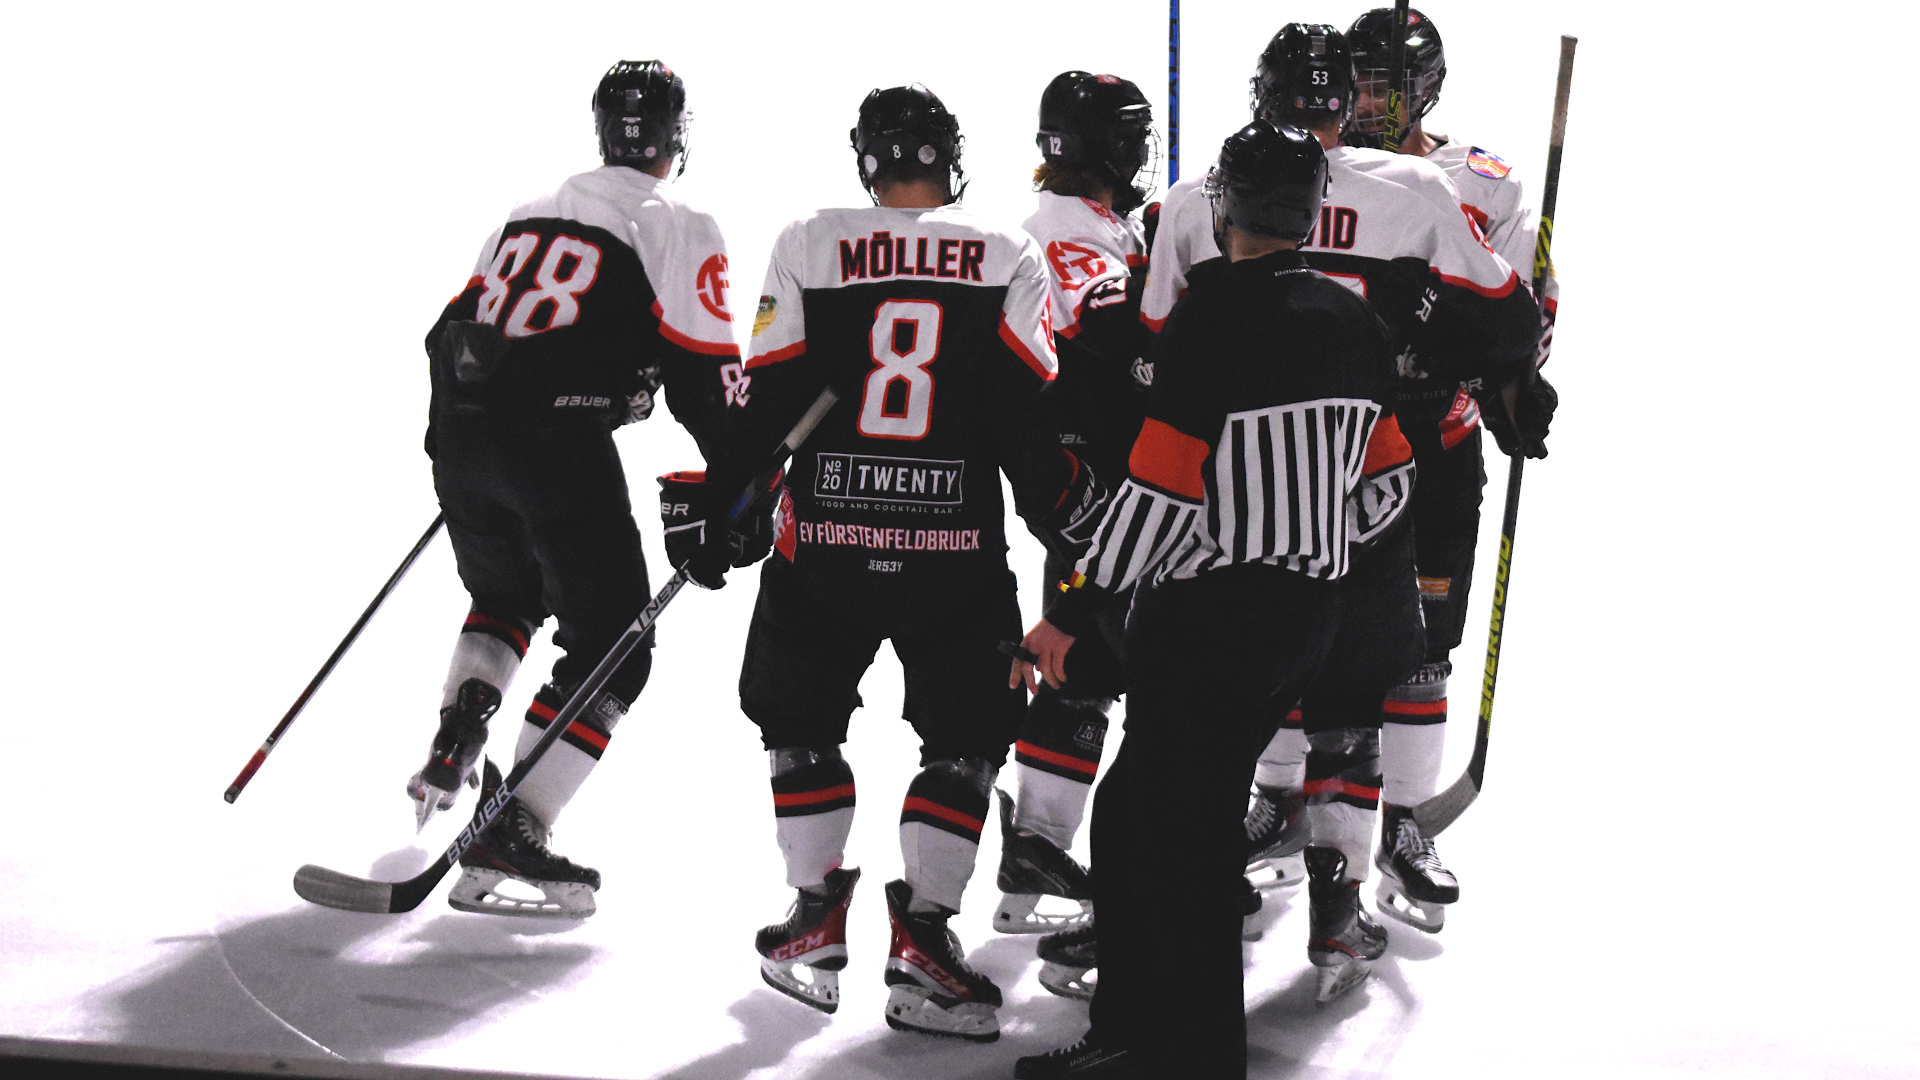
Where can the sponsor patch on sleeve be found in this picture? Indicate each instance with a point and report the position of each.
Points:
(763, 316)
(1488, 164)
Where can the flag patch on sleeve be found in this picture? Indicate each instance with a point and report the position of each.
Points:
(1488, 164)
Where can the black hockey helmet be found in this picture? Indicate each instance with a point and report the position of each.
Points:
(904, 132)
(1101, 124)
(640, 112)
(1305, 76)
(1269, 180)
(1371, 40)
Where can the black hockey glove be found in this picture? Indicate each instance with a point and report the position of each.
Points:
(1074, 518)
(468, 351)
(685, 513)
(1519, 413)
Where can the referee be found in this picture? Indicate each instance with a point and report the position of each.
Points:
(1237, 514)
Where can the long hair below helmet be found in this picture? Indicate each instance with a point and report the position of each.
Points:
(640, 114)
(1269, 180)
(905, 133)
(1100, 126)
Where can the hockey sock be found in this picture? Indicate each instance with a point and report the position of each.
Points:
(812, 811)
(551, 785)
(1343, 792)
(1056, 758)
(490, 649)
(1283, 764)
(940, 823)
(1415, 735)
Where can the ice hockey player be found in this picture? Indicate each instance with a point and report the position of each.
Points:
(932, 325)
(1443, 423)
(580, 307)
(1260, 426)
(1098, 160)
(1393, 230)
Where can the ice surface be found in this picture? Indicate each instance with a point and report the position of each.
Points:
(233, 224)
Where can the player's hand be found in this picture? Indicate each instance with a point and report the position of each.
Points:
(1519, 414)
(1049, 644)
(684, 499)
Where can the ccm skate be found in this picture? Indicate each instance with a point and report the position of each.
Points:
(933, 989)
(1344, 941)
(803, 957)
(456, 748)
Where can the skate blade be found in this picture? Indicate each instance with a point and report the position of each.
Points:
(1069, 982)
(914, 1008)
(1400, 907)
(478, 891)
(1339, 979)
(427, 799)
(820, 990)
(1017, 914)
(1287, 870)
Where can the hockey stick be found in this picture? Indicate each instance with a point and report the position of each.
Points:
(273, 738)
(1173, 92)
(1440, 811)
(1396, 76)
(331, 888)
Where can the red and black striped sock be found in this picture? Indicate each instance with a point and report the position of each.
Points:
(813, 799)
(940, 823)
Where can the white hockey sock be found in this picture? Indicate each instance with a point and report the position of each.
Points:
(813, 798)
(1414, 738)
(551, 785)
(1049, 805)
(1347, 828)
(1283, 764)
(940, 823)
(483, 657)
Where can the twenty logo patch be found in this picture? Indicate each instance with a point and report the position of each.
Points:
(890, 479)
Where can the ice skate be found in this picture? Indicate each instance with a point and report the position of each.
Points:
(933, 989)
(1344, 941)
(456, 747)
(1067, 962)
(1276, 834)
(1414, 887)
(1032, 868)
(515, 848)
(1084, 1060)
(803, 957)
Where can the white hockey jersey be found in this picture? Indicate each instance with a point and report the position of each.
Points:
(1086, 245)
(1495, 198)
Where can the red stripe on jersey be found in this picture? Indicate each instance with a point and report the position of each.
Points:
(1135, 262)
(1416, 708)
(471, 282)
(1513, 280)
(944, 813)
(1027, 749)
(587, 735)
(709, 348)
(1388, 447)
(1169, 459)
(1478, 215)
(543, 711)
(777, 355)
(1020, 349)
(1068, 330)
(1337, 786)
(808, 798)
(1155, 325)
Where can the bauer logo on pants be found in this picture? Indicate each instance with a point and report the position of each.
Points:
(888, 479)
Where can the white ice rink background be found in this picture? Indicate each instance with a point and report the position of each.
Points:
(231, 226)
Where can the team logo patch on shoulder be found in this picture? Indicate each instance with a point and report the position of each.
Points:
(763, 316)
(1488, 164)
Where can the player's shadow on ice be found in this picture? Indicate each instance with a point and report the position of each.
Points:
(1286, 1031)
(361, 986)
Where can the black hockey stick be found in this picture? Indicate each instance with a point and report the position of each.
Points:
(273, 738)
(334, 889)
(1396, 130)
(1440, 811)
(1173, 91)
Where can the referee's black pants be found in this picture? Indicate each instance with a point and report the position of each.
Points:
(1169, 846)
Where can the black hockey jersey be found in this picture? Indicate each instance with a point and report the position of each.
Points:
(933, 326)
(604, 290)
(1272, 407)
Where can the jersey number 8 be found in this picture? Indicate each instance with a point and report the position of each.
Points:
(898, 399)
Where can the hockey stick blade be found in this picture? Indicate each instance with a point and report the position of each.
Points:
(330, 888)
